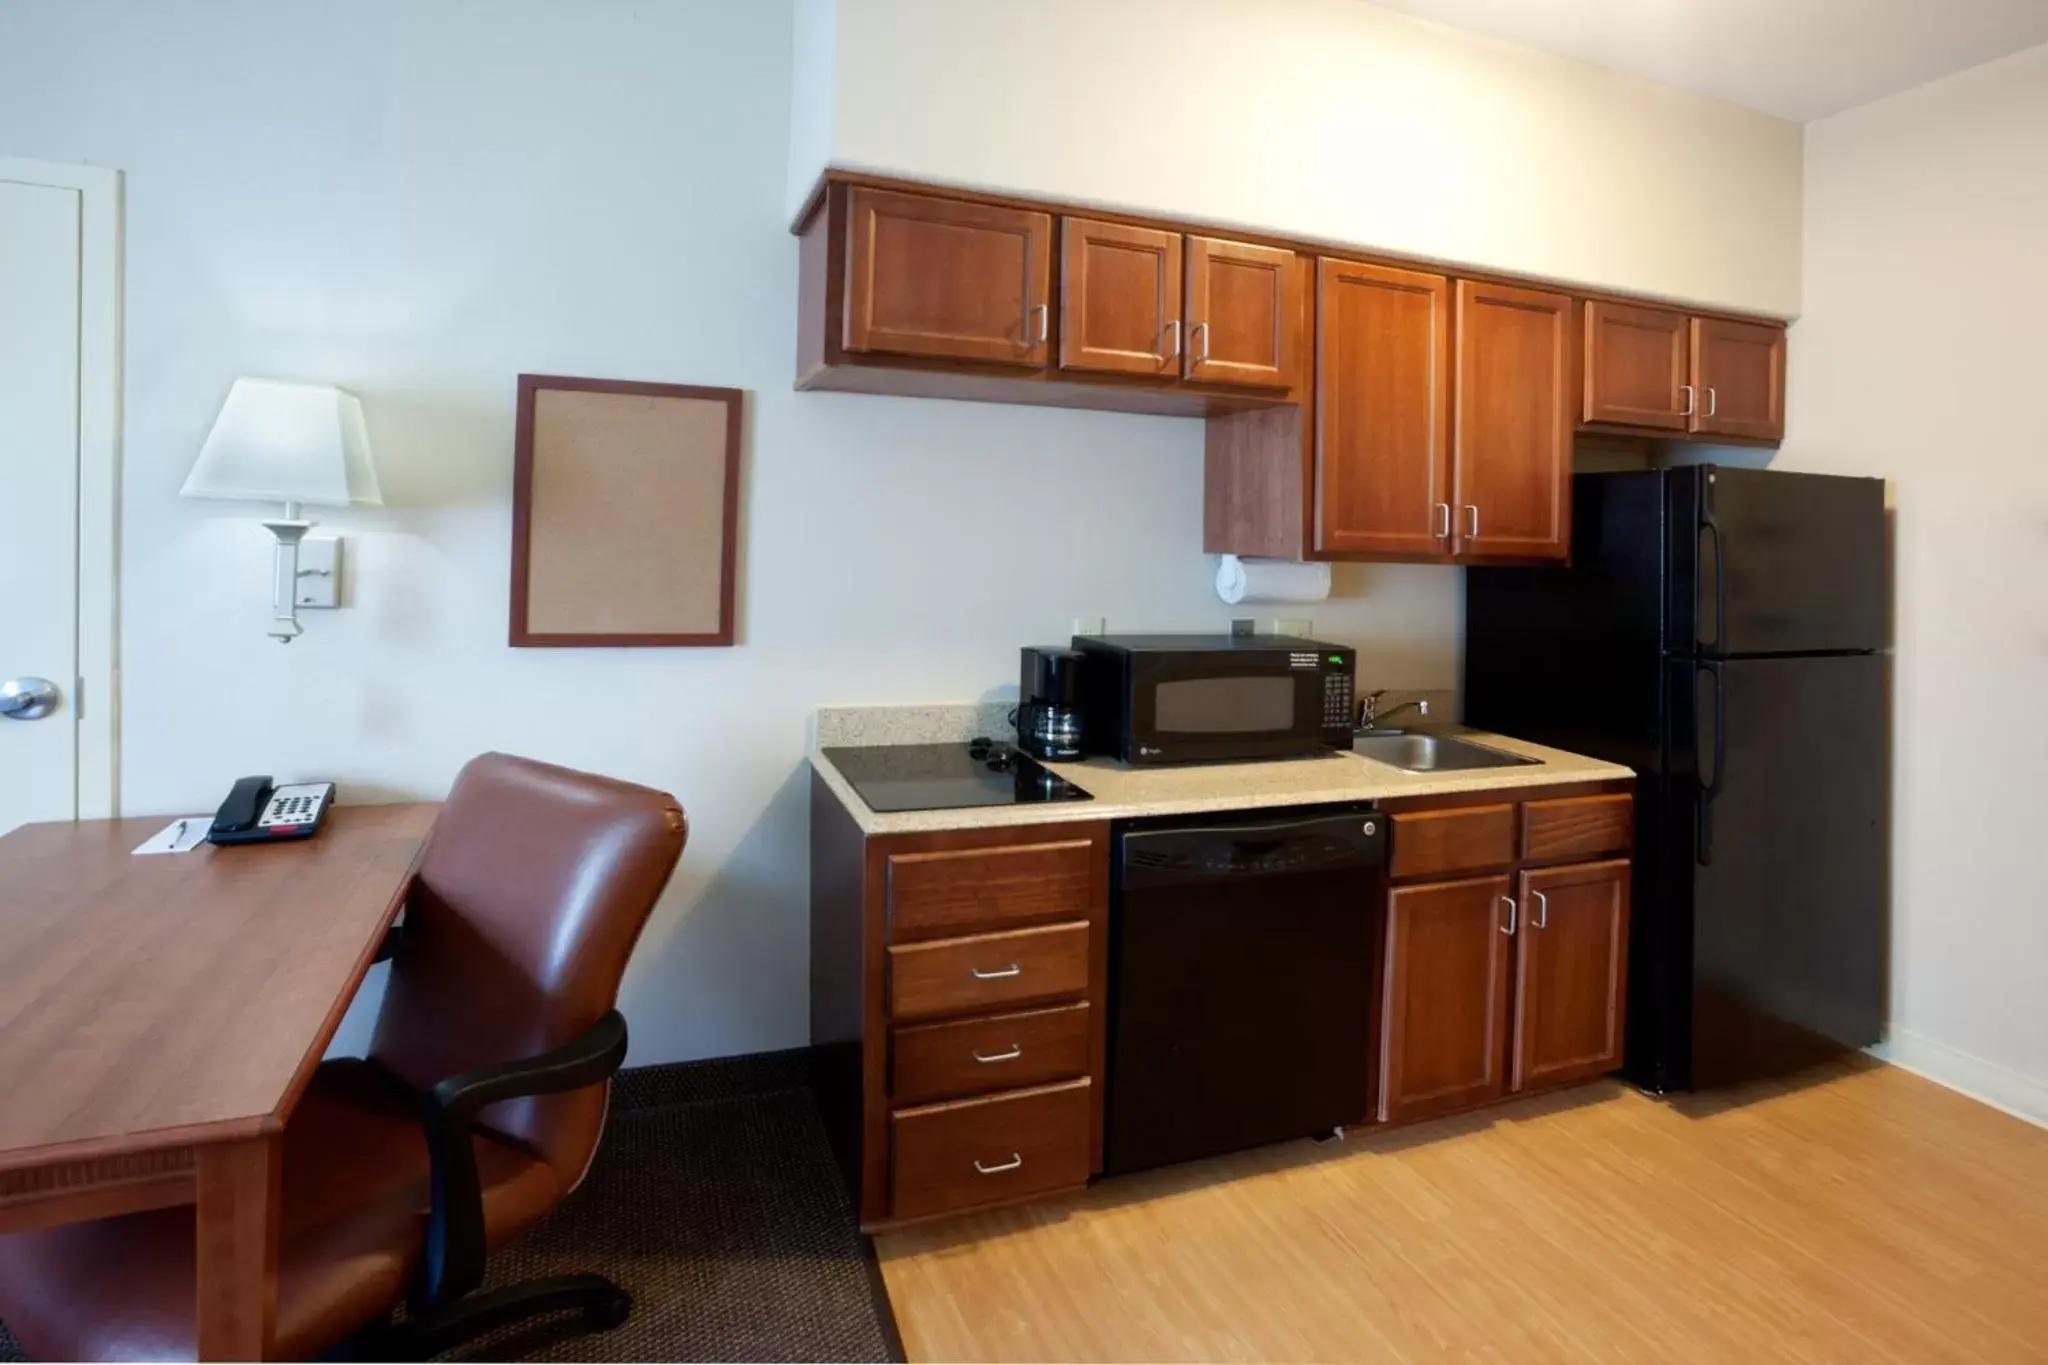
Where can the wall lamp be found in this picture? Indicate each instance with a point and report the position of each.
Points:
(297, 444)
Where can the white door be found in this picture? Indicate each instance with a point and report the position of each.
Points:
(39, 511)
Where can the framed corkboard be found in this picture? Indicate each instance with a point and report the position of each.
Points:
(625, 504)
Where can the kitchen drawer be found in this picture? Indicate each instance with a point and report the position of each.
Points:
(969, 1056)
(966, 1153)
(963, 975)
(1429, 843)
(958, 891)
(1577, 827)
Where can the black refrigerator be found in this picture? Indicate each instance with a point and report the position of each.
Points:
(1722, 632)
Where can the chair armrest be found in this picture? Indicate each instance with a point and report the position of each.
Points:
(453, 1263)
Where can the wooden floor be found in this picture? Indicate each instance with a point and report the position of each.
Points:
(1866, 1215)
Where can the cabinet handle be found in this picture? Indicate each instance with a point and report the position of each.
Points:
(1016, 1160)
(1173, 326)
(1012, 1055)
(1444, 521)
(1713, 401)
(979, 975)
(1691, 400)
(1201, 329)
(1043, 312)
(1542, 909)
(1509, 928)
(1471, 521)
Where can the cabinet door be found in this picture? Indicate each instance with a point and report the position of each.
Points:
(1739, 370)
(1119, 298)
(1383, 432)
(1512, 437)
(1444, 1033)
(1242, 311)
(1571, 970)
(947, 279)
(1637, 366)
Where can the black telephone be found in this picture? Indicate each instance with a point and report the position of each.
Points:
(258, 813)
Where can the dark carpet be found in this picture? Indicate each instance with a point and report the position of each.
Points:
(714, 1199)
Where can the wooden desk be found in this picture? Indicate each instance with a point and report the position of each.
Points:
(160, 1017)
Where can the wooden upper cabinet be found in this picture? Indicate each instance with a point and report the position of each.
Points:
(1636, 366)
(1512, 435)
(1444, 1027)
(1243, 313)
(1739, 370)
(1382, 394)
(1120, 298)
(1571, 973)
(943, 278)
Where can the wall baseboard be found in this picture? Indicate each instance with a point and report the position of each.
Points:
(2018, 1094)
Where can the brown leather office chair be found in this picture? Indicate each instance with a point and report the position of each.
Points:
(477, 1110)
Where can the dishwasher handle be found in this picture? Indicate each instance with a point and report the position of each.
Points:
(1247, 850)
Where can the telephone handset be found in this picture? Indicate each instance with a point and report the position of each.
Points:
(258, 813)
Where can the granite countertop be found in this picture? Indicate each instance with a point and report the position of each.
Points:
(1123, 792)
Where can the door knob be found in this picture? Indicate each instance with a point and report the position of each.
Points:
(27, 698)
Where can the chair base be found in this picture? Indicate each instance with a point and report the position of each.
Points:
(603, 1304)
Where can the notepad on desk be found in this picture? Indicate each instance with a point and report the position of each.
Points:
(179, 836)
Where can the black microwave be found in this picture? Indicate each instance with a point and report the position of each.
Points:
(1215, 698)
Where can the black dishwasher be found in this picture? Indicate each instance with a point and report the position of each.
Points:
(1241, 954)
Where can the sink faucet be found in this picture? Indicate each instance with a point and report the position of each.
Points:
(1370, 717)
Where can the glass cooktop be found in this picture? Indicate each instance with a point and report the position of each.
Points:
(897, 777)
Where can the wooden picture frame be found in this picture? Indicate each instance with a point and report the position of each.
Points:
(625, 513)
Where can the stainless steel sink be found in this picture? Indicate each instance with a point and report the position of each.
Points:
(1433, 753)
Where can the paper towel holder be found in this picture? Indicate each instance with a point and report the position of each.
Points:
(1240, 580)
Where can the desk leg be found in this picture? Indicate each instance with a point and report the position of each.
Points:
(240, 1188)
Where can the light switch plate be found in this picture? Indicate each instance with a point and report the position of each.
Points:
(1089, 625)
(1293, 625)
(319, 572)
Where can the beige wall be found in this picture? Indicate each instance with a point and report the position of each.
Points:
(1921, 358)
(1329, 119)
(409, 218)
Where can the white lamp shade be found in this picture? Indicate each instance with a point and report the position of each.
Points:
(280, 442)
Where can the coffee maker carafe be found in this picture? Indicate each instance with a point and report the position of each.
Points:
(1049, 702)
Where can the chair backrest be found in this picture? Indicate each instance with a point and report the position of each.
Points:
(531, 892)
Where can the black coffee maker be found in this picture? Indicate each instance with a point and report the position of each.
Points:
(1049, 702)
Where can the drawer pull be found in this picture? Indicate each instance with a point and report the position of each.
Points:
(1016, 1160)
(979, 975)
(1012, 1055)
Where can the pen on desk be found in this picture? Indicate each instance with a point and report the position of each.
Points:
(179, 837)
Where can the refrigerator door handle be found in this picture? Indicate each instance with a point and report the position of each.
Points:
(1709, 526)
(1710, 787)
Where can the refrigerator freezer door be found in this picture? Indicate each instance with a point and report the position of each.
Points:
(1788, 761)
(1766, 562)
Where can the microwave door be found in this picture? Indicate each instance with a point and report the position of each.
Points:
(1193, 708)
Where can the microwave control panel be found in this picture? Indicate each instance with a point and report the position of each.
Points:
(1337, 701)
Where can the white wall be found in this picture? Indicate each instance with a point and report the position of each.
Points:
(421, 198)
(1919, 358)
(1326, 119)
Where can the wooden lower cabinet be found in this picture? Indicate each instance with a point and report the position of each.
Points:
(1511, 977)
(1445, 1011)
(1571, 973)
(958, 999)
(960, 978)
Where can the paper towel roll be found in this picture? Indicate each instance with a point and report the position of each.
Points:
(1271, 580)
